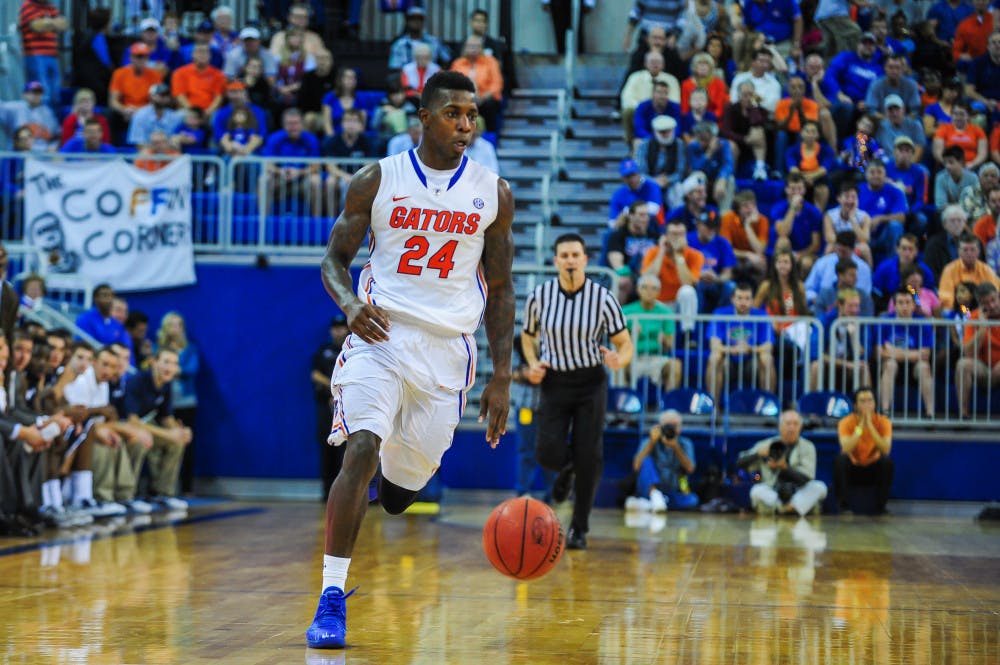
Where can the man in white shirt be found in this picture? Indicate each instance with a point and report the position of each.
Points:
(114, 477)
(767, 87)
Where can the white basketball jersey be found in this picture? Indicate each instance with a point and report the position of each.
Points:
(427, 242)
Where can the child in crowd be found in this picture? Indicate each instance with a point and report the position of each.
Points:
(191, 135)
(242, 135)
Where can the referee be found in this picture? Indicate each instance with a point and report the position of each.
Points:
(566, 321)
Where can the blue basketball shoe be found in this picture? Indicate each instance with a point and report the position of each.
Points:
(329, 626)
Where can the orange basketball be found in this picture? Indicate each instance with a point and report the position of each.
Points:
(523, 538)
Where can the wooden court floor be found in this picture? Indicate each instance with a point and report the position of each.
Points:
(237, 583)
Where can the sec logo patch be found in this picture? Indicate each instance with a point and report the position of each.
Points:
(478, 203)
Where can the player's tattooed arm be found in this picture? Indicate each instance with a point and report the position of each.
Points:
(498, 256)
(366, 320)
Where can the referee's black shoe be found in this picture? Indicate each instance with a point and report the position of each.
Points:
(575, 540)
(562, 484)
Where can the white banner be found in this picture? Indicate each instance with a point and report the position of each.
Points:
(111, 222)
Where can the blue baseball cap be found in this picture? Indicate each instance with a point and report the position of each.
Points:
(34, 86)
(628, 167)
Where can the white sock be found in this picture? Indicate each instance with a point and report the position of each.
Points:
(83, 486)
(46, 494)
(66, 491)
(52, 494)
(334, 571)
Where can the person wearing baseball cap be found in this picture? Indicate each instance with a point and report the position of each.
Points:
(203, 34)
(32, 112)
(401, 50)
(249, 46)
(635, 187)
(159, 54)
(897, 124)
(156, 115)
(694, 189)
(662, 157)
(130, 86)
(848, 77)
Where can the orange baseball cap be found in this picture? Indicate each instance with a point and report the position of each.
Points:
(139, 48)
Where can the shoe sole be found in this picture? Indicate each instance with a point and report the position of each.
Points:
(325, 644)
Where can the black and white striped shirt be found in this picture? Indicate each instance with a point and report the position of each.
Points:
(571, 326)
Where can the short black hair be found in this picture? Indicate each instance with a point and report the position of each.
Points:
(904, 290)
(984, 289)
(843, 265)
(445, 80)
(135, 318)
(567, 237)
(955, 152)
(861, 389)
(105, 285)
(479, 12)
(743, 286)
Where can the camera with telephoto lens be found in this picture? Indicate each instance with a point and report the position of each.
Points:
(669, 432)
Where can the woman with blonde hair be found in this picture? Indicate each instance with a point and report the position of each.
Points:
(172, 335)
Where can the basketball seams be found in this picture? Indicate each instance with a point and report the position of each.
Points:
(537, 522)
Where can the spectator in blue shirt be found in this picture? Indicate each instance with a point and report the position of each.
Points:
(886, 280)
(823, 274)
(91, 141)
(715, 283)
(695, 205)
(798, 221)
(155, 116)
(202, 35)
(780, 20)
(886, 204)
(905, 346)
(736, 344)
(635, 187)
(401, 50)
(698, 101)
(946, 17)
(658, 104)
(288, 178)
(914, 180)
(893, 83)
(848, 77)
(97, 321)
(237, 98)
(982, 80)
(713, 156)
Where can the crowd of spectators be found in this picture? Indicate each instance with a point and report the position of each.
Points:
(92, 430)
(830, 158)
(271, 89)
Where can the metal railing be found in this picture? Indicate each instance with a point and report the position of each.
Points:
(688, 362)
(921, 369)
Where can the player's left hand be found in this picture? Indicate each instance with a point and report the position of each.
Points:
(494, 405)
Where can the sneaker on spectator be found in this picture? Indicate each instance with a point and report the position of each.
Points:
(171, 502)
(139, 507)
(60, 518)
(657, 502)
(637, 503)
(98, 509)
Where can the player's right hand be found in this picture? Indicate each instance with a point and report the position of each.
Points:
(368, 322)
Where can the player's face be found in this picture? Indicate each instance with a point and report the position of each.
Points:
(106, 366)
(450, 122)
(570, 258)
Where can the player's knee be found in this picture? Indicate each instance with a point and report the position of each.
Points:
(362, 453)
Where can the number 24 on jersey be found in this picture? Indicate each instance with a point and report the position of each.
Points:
(417, 247)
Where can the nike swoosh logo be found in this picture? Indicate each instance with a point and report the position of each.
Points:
(399, 198)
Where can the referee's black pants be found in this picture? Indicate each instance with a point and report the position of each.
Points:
(570, 425)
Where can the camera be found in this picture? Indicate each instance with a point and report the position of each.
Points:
(669, 431)
(777, 451)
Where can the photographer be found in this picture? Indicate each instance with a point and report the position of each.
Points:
(663, 464)
(787, 467)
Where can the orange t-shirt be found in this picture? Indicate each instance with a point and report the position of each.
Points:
(865, 452)
(718, 95)
(995, 139)
(971, 35)
(989, 349)
(783, 111)
(200, 87)
(967, 140)
(731, 228)
(985, 229)
(134, 88)
(670, 281)
(153, 165)
(485, 74)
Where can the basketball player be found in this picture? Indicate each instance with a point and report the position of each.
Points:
(441, 253)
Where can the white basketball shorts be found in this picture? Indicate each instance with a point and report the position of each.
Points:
(410, 391)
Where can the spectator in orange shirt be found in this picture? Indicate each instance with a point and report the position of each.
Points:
(970, 138)
(972, 33)
(129, 89)
(966, 268)
(747, 231)
(980, 365)
(678, 268)
(995, 144)
(865, 442)
(986, 226)
(790, 114)
(703, 76)
(199, 84)
(484, 70)
(160, 147)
